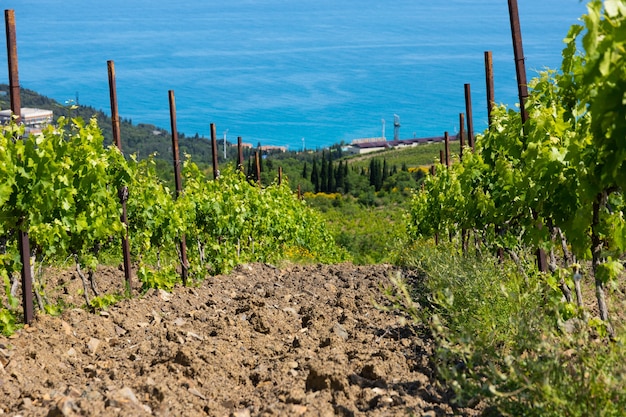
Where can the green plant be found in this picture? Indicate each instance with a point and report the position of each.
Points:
(507, 340)
(102, 302)
(165, 278)
(7, 322)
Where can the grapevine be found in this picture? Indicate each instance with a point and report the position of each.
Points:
(562, 175)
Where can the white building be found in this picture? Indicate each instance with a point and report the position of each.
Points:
(33, 119)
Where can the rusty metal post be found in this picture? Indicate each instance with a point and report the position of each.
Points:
(16, 109)
(470, 119)
(446, 139)
(184, 266)
(216, 169)
(299, 192)
(520, 65)
(239, 154)
(522, 86)
(280, 176)
(257, 160)
(461, 134)
(122, 192)
(14, 82)
(489, 82)
(442, 157)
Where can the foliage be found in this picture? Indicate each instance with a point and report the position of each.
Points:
(102, 302)
(508, 339)
(560, 173)
(508, 334)
(63, 187)
(233, 221)
(7, 322)
(369, 234)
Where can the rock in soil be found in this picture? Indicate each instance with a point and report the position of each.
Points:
(261, 341)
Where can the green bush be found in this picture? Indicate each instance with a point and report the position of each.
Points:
(507, 338)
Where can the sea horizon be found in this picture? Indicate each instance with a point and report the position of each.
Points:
(286, 73)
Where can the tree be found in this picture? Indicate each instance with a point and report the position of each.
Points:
(339, 178)
(332, 186)
(324, 175)
(305, 173)
(385, 173)
(315, 176)
(376, 174)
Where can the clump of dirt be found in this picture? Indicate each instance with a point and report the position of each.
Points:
(261, 341)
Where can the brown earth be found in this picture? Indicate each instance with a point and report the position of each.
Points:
(261, 341)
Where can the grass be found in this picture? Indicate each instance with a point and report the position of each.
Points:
(511, 341)
(367, 233)
(416, 156)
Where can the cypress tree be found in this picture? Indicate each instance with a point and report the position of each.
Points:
(324, 175)
(315, 176)
(373, 172)
(385, 170)
(332, 186)
(305, 173)
(339, 178)
(376, 174)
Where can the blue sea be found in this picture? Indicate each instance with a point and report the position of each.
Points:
(286, 72)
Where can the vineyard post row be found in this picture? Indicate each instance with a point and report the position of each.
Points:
(522, 83)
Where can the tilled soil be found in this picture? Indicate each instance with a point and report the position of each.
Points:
(261, 341)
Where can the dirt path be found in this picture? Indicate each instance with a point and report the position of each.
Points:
(302, 341)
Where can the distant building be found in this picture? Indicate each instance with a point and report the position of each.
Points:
(367, 140)
(33, 119)
(363, 146)
(274, 148)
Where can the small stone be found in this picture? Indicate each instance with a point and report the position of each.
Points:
(241, 413)
(156, 318)
(120, 331)
(179, 322)
(123, 396)
(197, 393)
(298, 410)
(195, 336)
(71, 352)
(340, 331)
(105, 314)
(291, 310)
(143, 324)
(164, 295)
(64, 407)
(93, 345)
(67, 329)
